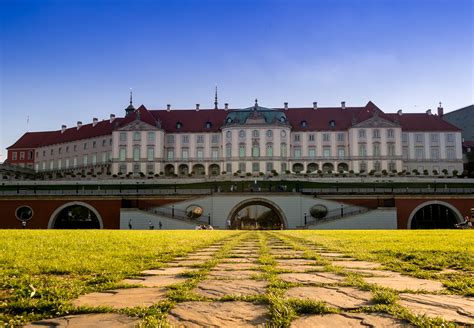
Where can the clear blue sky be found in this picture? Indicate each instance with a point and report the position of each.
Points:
(68, 60)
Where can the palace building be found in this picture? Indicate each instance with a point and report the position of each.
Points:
(209, 142)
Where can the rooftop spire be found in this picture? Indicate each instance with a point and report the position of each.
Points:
(256, 104)
(130, 109)
(215, 100)
(131, 96)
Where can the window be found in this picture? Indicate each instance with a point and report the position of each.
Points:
(67, 149)
(255, 133)
(405, 152)
(74, 161)
(122, 154)
(85, 147)
(362, 150)
(283, 133)
(390, 133)
(123, 168)
(341, 152)
(242, 167)
(185, 139)
(30, 155)
(52, 150)
(200, 153)
(84, 160)
(269, 166)
(304, 124)
(151, 137)
(327, 152)
(184, 153)
(340, 137)
(434, 137)
(228, 150)
(150, 153)
(170, 139)
(110, 142)
(179, 125)
(75, 148)
(419, 137)
(200, 138)
(136, 154)
(297, 152)
(419, 153)
(137, 136)
(450, 137)
(94, 159)
(241, 150)
(104, 157)
(150, 168)
(51, 164)
(404, 137)
(450, 153)
(14, 155)
(59, 150)
(391, 166)
(136, 168)
(256, 167)
(215, 138)
(94, 145)
(312, 152)
(283, 150)
(363, 167)
(377, 166)
(391, 149)
(296, 137)
(208, 125)
(376, 149)
(332, 123)
(22, 155)
(361, 133)
(311, 137)
(326, 137)
(228, 167)
(269, 133)
(375, 133)
(435, 153)
(255, 150)
(67, 163)
(44, 152)
(103, 142)
(241, 134)
(170, 153)
(123, 136)
(283, 167)
(269, 150)
(228, 134)
(215, 153)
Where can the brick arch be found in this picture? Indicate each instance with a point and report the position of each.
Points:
(258, 201)
(52, 219)
(456, 212)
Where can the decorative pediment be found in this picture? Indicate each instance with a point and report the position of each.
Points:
(375, 122)
(138, 126)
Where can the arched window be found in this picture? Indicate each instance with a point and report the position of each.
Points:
(304, 124)
(228, 134)
(269, 133)
(208, 125)
(255, 133)
(179, 125)
(283, 150)
(136, 153)
(241, 134)
(228, 150)
(269, 149)
(255, 150)
(242, 150)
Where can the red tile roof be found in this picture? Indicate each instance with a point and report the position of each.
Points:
(416, 122)
(191, 120)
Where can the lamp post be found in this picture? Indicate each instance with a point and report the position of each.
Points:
(305, 219)
(209, 218)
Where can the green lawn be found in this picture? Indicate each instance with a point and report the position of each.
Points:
(41, 270)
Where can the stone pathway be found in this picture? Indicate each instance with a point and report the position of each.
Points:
(231, 289)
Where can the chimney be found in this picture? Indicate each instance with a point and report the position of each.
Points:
(168, 107)
(286, 106)
(79, 124)
(226, 106)
(399, 112)
(343, 104)
(63, 128)
(112, 117)
(315, 105)
(440, 110)
(94, 121)
(197, 107)
(428, 112)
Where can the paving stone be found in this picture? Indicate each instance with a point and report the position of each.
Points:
(378, 320)
(341, 297)
(218, 314)
(169, 271)
(450, 307)
(122, 298)
(238, 260)
(357, 264)
(155, 281)
(332, 255)
(219, 288)
(185, 263)
(236, 266)
(295, 262)
(371, 273)
(234, 274)
(286, 253)
(399, 282)
(98, 320)
(194, 257)
(301, 268)
(313, 277)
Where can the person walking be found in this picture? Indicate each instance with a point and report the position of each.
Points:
(130, 224)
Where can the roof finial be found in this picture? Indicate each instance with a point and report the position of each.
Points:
(256, 103)
(131, 96)
(215, 99)
(440, 104)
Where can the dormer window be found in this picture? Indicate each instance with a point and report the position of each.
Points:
(304, 124)
(332, 123)
(229, 120)
(179, 125)
(208, 125)
(282, 119)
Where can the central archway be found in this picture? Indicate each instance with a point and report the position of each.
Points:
(257, 214)
(434, 215)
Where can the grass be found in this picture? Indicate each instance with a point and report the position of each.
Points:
(41, 271)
